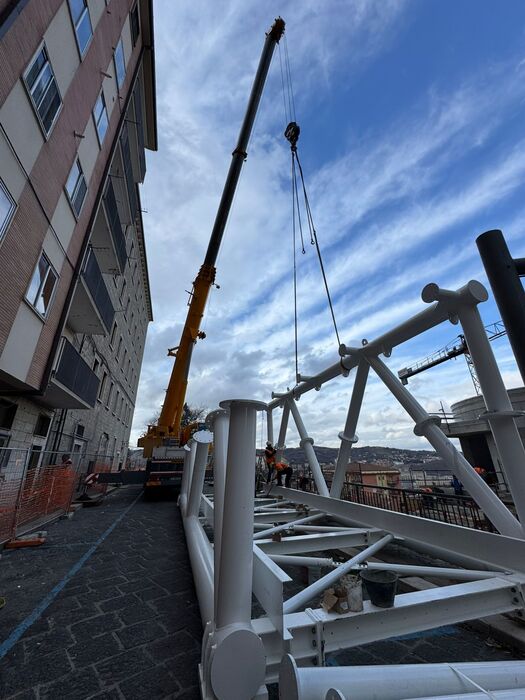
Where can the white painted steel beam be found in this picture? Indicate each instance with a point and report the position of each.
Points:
(291, 560)
(438, 571)
(280, 528)
(493, 550)
(307, 444)
(406, 681)
(349, 436)
(286, 515)
(298, 544)
(234, 580)
(300, 599)
(489, 502)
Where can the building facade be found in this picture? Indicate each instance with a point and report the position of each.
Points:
(77, 110)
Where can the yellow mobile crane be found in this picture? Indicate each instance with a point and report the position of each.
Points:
(163, 442)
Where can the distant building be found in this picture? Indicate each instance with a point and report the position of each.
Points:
(373, 474)
(77, 110)
(476, 439)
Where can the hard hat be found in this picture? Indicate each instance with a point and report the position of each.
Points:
(269, 443)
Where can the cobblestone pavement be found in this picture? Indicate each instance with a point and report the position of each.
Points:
(126, 623)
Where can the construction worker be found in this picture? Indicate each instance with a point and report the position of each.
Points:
(283, 468)
(269, 456)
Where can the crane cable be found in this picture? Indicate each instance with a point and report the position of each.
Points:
(291, 133)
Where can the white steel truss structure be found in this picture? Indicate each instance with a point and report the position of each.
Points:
(240, 654)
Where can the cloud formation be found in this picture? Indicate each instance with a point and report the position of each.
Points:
(396, 206)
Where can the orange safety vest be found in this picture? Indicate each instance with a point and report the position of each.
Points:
(280, 466)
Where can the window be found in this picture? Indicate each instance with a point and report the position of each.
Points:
(100, 115)
(102, 386)
(117, 397)
(119, 348)
(7, 207)
(42, 286)
(43, 89)
(135, 25)
(96, 364)
(76, 187)
(120, 65)
(79, 430)
(110, 394)
(113, 334)
(82, 21)
(34, 456)
(7, 413)
(42, 425)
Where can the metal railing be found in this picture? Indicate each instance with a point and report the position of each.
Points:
(454, 510)
(110, 205)
(75, 374)
(98, 290)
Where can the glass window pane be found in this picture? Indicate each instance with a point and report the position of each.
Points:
(44, 299)
(41, 84)
(6, 208)
(99, 106)
(102, 126)
(35, 69)
(84, 32)
(72, 179)
(49, 107)
(38, 278)
(119, 64)
(77, 8)
(79, 195)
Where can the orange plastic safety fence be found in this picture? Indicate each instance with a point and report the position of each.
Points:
(46, 491)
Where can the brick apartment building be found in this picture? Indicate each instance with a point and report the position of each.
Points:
(77, 110)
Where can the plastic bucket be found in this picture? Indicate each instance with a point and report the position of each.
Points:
(381, 586)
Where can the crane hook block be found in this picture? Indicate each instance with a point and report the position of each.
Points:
(291, 133)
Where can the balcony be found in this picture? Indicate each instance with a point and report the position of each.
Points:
(107, 239)
(73, 384)
(129, 178)
(91, 310)
(136, 136)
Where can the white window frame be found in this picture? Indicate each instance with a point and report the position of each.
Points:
(36, 296)
(29, 89)
(73, 194)
(4, 225)
(104, 111)
(120, 46)
(81, 51)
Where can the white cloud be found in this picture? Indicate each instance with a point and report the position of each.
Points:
(391, 210)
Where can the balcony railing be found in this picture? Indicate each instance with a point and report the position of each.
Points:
(76, 376)
(98, 290)
(139, 122)
(110, 205)
(128, 173)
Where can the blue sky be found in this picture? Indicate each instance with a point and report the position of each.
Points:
(412, 119)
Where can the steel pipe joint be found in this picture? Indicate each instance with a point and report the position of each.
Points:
(306, 440)
(472, 293)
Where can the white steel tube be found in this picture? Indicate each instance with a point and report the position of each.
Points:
(291, 560)
(500, 413)
(201, 559)
(234, 593)
(203, 439)
(408, 681)
(348, 436)
(299, 600)
(218, 422)
(513, 694)
(491, 505)
(282, 431)
(187, 473)
(307, 444)
(438, 571)
(279, 528)
(269, 425)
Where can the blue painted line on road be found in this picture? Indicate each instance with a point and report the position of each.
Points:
(33, 616)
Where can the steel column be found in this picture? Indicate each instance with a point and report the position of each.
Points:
(234, 595)
(187, 472)
(307, 444)
(494, 509)
(397, 682)
(282, 431)
(508, 290)
(348, 436)
(203, 439)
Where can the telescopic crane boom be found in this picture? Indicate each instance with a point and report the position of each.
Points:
(168, 425)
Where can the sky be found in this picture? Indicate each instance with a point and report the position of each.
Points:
(412, 117)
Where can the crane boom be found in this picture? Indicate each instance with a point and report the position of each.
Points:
(169, 421)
